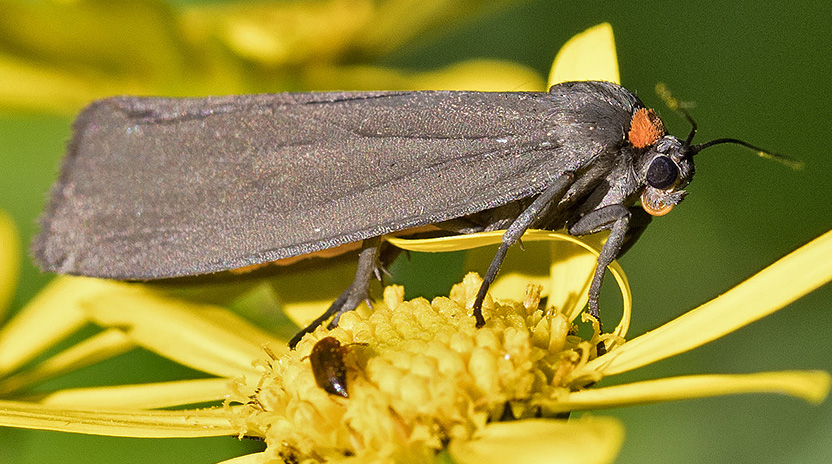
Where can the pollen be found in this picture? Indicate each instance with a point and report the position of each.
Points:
(419, 375)
(645, 128)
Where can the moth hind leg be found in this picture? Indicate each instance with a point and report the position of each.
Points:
(617, 219)
(354, 295)
(614, 218)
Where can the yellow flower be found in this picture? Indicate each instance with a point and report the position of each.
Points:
(420, 378)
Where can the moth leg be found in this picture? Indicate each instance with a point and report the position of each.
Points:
(616, 218)
(639, 220)
(518, 227)
(357, 292)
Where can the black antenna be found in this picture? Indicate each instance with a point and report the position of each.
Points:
(664, 93)
(761, 152)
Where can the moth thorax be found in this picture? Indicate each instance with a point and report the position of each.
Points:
(645, 128)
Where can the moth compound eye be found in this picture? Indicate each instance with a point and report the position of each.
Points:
(662, 172)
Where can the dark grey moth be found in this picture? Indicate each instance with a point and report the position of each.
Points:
(154, 188)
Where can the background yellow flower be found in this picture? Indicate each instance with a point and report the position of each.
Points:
(756, 73)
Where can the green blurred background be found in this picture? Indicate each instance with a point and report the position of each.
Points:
(756, 70)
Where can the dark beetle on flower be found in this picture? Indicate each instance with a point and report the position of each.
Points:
(328, 367)
(155, 188)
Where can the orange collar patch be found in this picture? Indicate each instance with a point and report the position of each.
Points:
(645, 128)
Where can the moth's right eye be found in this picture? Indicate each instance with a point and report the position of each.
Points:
(662, 172)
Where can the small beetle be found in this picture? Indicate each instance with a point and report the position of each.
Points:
(327, 360)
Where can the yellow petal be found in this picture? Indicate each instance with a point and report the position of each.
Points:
(783, 282)
(452, 243)
(144, 396)
(211, 422)
(9, 260)
(811, 386)
(204, 337)
(102, 346)
(589, 55)
(52, 315)
(586, 440)
(519, 268)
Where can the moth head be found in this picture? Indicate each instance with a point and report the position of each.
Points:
(665, 165)
(667, 169)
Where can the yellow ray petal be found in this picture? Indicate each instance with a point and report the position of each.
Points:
(210, 422)
(48, 318)
(783, 282)
(452, 243)
(144, 396)
(587, 440)
(204, 337)
(589, 55)
(9, 261)
(811, 386)
(104, 345)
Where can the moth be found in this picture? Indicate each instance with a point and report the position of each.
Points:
(155, 188)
